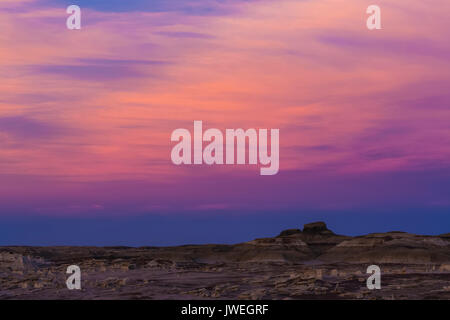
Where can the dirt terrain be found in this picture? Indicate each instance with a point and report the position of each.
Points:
(313, 263)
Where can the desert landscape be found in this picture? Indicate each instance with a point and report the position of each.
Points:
(312, 263)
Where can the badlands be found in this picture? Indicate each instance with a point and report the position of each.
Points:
(313, 263)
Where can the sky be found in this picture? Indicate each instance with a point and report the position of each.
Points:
(86, 118)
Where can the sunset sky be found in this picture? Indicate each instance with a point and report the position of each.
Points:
(86, 118)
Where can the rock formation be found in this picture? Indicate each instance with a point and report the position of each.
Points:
(312, 263)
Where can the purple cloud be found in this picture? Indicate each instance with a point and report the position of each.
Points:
(407, 47)
(99, 69)
(193, 35)
(24, 127)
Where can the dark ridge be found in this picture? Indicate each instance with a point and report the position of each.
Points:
(289, 232)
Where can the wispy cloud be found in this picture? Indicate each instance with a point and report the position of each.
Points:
(347, 101)
(23, 127)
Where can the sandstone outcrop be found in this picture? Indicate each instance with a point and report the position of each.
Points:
(391, 247)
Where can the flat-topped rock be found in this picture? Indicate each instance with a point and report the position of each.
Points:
(317, 228)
